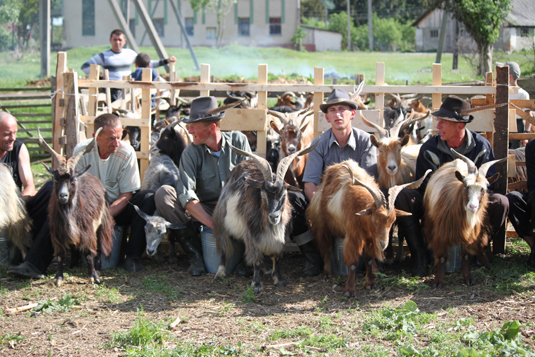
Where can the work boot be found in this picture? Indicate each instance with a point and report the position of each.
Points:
(314, 264)
(189, 240)
(415, 240)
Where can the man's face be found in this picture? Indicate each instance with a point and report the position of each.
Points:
(340, 116)
(8, 134)
(117, 42)
(448, 130)
(200, 132)
(109, 139)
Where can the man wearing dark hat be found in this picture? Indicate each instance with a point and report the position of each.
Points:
(452, 134)
(204, 167)
(339, 143)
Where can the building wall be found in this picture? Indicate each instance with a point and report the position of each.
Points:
(203, 23)
(322, 40)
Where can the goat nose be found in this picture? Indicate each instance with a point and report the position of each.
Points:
(63, 196)
(150, 252)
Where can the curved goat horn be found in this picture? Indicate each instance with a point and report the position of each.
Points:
(472, 168)
(357, 92)
(397, 98)
(262, 163)
(382, 132)
(43, 144)
(411, 120)
(394, 131)
(483, 169)
(281, 116)
(378, 196)
(74, 160)
(394, 191)
(285, 163)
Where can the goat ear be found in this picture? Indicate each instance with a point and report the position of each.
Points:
(374, 140)
(459, 176)
(82, 171)
(364, 212)
(48, 168)
(174, 226)
(493, 178)
(405, 140)
(400, 213)
(294, 189)
(275, 127)
(254, 183)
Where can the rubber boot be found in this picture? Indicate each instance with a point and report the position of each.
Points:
(415, 240)
(314, 264)
(189, 240)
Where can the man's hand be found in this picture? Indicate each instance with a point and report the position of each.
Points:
(171, 59)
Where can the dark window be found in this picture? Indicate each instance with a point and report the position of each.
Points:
(243, 26)
(524, 32)
(434, 33)
(159, 26)
(274, 26)
(88, 17)
(132, 26)
(210, 33)
(189, 26)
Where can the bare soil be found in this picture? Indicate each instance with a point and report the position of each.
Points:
(218, 311)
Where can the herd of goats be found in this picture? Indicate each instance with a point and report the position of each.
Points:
(254, 207)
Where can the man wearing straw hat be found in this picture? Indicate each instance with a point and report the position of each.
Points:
(452, 134)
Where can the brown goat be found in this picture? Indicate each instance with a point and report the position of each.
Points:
(349, 204)
(78, 211)
(296, 133)
(455, 203)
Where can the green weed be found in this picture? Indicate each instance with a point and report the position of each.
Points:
(302, 331)
(248, 295)
(109, 295)
(160, 284)
(62, 305)
(144, 334)
(11, 339)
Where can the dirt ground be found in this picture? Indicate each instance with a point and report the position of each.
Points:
(221, 312)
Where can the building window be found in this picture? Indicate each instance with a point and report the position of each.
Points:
(210, 33)
(275, 26)
(434, 33)
(243, 26)
(189, 26)
(132, 26)
(88, 17)
(524, 32)
(159, 26)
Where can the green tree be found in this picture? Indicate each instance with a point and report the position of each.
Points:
(9, 13)
(482, 20)
(338, 23)
(28, 19)
(219, 7)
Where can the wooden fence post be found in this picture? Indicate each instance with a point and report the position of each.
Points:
(146, 103)
(205, 78)
(437, 97)
(262, 104)
(94, 74)
(72, 122)
(490, 100)
(501, 142)
(57, 128)
(318, 99)
(380, 98)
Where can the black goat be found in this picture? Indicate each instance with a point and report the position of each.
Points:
(78, 211)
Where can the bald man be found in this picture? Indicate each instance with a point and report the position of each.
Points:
(14, 154)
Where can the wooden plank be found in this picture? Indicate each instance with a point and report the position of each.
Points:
(489, 98)
(25, 106)
(518, 186)
(262, 105)
(380, 98)
(436, 97)
(142, 155)
(123, 24)
(483, 121)
(24, 96)
(90, 119)
(149, 26)
(501, 142)
(524, 103)
(32, 114)
(92, 102)
(34, 140)
(418, 89)
(318, 99)
(25, 89)
(521, 136)
(72, 131)
(108, 91)
(146, 103)
(34, 121)
(205, 78)
(244, 119)
(511, 165)
(35, 130)
(61, 67)
(375, 116)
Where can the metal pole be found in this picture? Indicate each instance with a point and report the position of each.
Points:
(370, 25)
(348, 26)
(44, 27)
(183, 29)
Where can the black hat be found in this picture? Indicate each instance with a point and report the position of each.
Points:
(203, 109)
(452, 110)
(338, 96)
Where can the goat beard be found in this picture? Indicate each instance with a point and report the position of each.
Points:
(69, 218)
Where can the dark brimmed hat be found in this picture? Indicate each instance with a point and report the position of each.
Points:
(452, 110)
(338, 96)
(201, 108)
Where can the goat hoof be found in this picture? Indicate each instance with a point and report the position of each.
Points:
(59, 281)
(172, 259)
(280, 282)
(349, 293)
(437, 286)
(257, 288)
(327, 277)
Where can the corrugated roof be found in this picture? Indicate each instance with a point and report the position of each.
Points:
(522, 13)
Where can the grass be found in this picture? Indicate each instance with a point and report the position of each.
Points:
(161, 285)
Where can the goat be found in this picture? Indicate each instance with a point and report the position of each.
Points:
(163, 166)
(521, 173)
(349, 203)
(13, 214)
(155, 230)
(254, 208)
(295, 134)
(78, 211)
(455, 203)
(396, 164)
